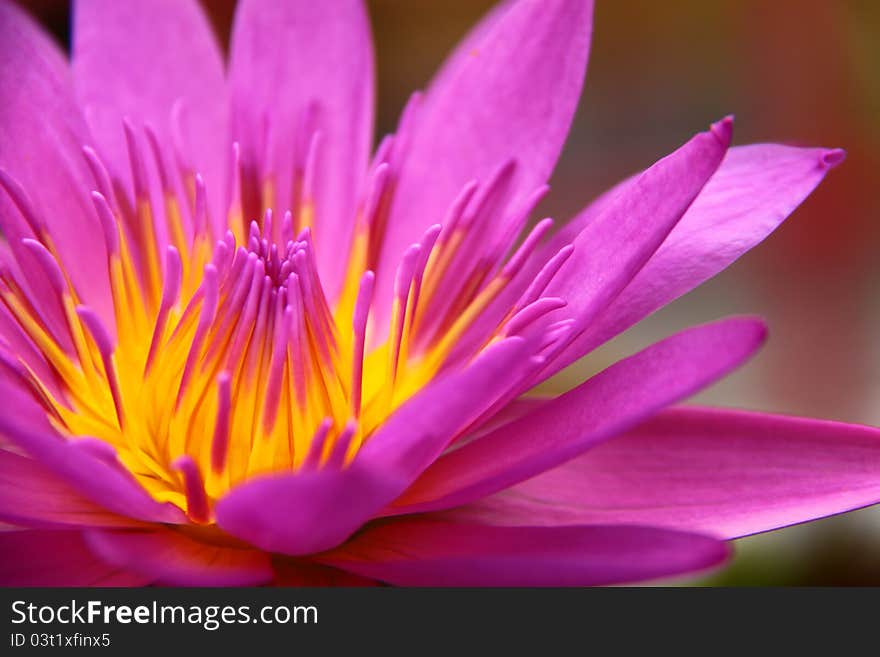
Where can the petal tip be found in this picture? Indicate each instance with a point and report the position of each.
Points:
(832, 157)
(723, 129)
(760, 328)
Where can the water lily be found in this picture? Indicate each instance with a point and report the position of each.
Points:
(237, 347)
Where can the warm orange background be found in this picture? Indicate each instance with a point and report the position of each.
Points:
(795, 71)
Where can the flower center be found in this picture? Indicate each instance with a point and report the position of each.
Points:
(228, 360)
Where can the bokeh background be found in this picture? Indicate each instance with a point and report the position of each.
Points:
(794, 71)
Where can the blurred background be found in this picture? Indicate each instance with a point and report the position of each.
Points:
(793, 71)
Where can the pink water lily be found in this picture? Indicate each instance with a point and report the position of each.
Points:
(237, 348)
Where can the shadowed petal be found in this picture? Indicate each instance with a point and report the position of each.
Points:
(170, 557)
(304, 513)
(301, 572)
(419, 552)
(754, 190)
(512, 95)
(42, 133)
(136, 60)
(299, 67)
(106, 484)
(34, 496)
(56, 558)
(616, 244)
(722, 472)
(614, 400)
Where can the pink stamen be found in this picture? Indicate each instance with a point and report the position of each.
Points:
(220, 442)
(359, 325)
(532, 313)
(527, 248)
(101, 176)
(22, 202)
(316, 447)
(49, 265)
(206, 317)
(197, 507)
(276, 366)
(108, 223)
(170, 295)
(105, 347)
(337, 456)
(296, 348)
(545, 275)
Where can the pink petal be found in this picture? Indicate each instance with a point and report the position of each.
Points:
(299, 572)
(304, 513)
(723, 472)
(108, 485)
(19, 347)
(754, 190)
(512, 96)
(607, 404)
(136, 60)
(289, 59)
(419, 552)
(170, 557)
(41, 137)
(624, 230)
(615, 245)
(56, 558)
(34, 496)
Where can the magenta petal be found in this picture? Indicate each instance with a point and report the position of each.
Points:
(605, 405)
(722, 472)
(34, 496)
(302, 572)
(617, 243)
(606, 246)
(312, 511)
(170, 57)
(297, 67)
(511, 96)
(41, 136)
(754, 190)
(169, 557)
(108, 485)
(420, 552)
(56, 558)
(18, 347)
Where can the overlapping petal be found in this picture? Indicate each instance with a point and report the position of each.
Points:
(511, 96)
(721, 472)
(172, 80)
(56, 558)
(31, 495)
(424, 552)
(170, 557)
(460, 482)
(300, 68)
(755, 188)
(612, 401)
(300, 513)
(42, 132)
(93, 474)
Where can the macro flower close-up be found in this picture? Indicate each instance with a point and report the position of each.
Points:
(245, 342)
